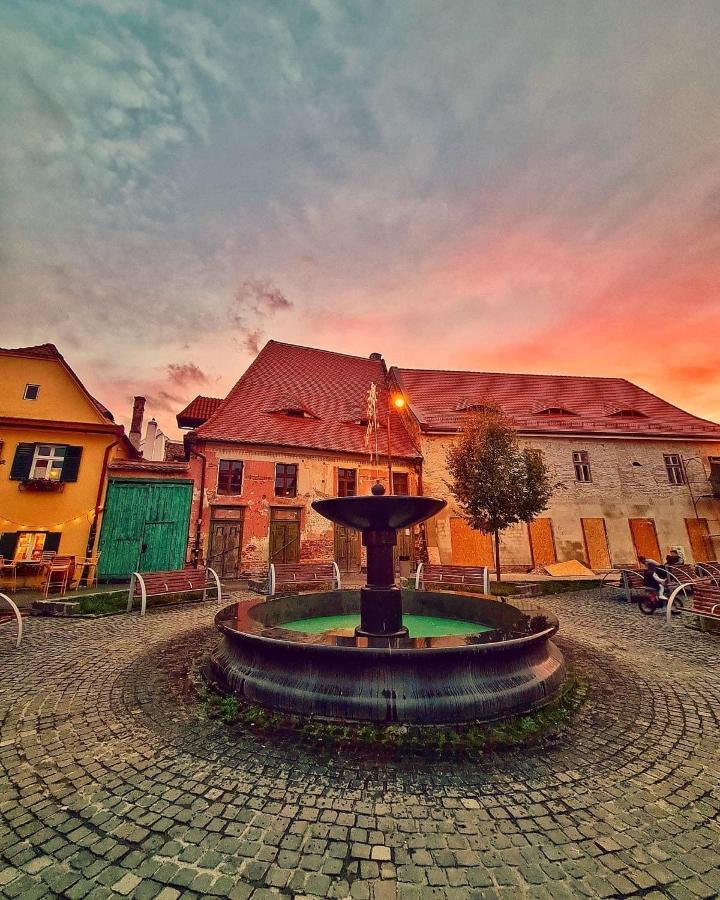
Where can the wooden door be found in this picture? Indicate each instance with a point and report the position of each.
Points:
(225, 553)
(284, 535)
(144, 528)
(596, 543)
(645, 539)
(347, 549)
(470, 547)
(542, 542)
(700, 541)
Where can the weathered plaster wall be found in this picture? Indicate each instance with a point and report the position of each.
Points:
(619, 491)
(317, 479)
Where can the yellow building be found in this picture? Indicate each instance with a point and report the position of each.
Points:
(56, 442)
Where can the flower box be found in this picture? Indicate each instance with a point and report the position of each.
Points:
(42, 485)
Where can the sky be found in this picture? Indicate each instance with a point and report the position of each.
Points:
(500, 186)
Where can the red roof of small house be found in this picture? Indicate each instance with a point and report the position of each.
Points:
(441, 400)
(197, 411)
(144, 466)
(301, 397)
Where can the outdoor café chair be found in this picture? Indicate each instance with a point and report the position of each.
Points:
(59, 572)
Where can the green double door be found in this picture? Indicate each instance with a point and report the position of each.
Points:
(145, 527)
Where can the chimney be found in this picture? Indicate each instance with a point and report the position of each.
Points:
(137, 420)
(376, 356)
(149, 448)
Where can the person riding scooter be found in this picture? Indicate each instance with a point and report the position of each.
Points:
(655, 577)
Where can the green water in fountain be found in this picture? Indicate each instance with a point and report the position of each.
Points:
(418, 626)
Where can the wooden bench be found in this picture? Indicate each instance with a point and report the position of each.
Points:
(10, 615)
(475, 576)
(709, 570)
(702, 599)
(303, 573)
(180, 581)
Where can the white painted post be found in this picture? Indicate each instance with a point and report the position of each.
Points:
(336, 577)
(668, 611)
(15, 610)
(419, 582)
(217, 584)
(271, 580)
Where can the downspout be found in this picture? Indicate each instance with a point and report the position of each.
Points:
(195, 554)
(98, 500)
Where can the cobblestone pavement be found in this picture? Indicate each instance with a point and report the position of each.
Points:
(113, 782)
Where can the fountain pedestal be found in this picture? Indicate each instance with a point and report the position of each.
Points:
(380, 599)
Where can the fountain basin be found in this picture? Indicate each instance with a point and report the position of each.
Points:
(378, 512)
(509, 666)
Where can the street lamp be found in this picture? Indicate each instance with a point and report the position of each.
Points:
(397, 401)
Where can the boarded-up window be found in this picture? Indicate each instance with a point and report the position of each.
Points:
(542, 542)
(469, 546)
(700, 541)
(596, 543)
(645, 539)
(400, 483)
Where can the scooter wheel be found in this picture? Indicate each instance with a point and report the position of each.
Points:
(646, 606)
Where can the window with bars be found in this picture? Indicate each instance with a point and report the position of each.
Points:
(230, 473)
(347, 483)
(286, 479)
(581, 463)
(400, 483)
(674, 468)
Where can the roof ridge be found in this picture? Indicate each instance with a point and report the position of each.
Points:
(516, 374)
(322, 350)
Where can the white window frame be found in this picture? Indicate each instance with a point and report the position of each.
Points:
(50, 458)
(581, 464)
(25, 392)
(242, 477)
(674, 468)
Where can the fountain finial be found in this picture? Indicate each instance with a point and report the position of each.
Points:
(377, 489)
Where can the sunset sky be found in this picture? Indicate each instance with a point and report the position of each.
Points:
(503, 186)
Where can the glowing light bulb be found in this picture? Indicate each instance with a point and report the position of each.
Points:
(398, 401)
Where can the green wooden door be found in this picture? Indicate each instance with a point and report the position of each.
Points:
(145, 527)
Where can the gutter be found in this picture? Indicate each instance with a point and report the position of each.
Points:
(92, 534)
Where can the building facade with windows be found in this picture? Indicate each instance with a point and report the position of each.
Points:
(634, 475)
(56, 443)
(292, 430)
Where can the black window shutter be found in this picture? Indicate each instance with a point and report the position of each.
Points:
(72, 464)
(52, 541)
(22, 463)
(8, 543)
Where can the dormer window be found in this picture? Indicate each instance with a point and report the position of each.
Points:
(292, 409)
(627, 414)
(31, 392)
(297, 413)
(554, 411)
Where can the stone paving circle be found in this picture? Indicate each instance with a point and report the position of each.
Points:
(115, 783)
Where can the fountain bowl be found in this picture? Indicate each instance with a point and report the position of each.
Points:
(379, 513)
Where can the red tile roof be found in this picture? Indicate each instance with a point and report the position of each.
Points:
(332, 387)
(198, 411)
(148, 465)
(592, 405)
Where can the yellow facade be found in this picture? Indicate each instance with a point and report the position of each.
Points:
(47, 417)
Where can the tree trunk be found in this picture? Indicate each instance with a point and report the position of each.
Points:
(497, 554)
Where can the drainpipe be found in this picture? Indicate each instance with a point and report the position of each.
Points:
(93, 528)
(195, 553)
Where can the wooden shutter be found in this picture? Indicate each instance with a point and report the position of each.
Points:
(8, 543)
(72, 464)
(470, 547)
(700, 541)
(596, 543)
(645, 538)
(52, 541)
(22, 463)
(542, 542)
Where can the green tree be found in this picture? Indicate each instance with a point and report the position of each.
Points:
(494, 481)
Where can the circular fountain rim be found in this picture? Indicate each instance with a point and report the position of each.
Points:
(298, 639)
(375, 510)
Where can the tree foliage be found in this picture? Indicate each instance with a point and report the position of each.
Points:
(495, 482)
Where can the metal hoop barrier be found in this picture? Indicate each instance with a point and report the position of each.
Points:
(16, 611)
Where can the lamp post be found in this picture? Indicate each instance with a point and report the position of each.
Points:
(397, 401)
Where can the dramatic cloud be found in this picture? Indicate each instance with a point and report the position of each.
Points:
(460, 184)
(186, 374)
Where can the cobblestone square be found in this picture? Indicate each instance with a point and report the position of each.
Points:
(114, 783)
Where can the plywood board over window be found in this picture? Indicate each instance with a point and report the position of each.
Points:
(700, 541)
(469, 546)
(542, 542)
(596, 543)
(645, 538)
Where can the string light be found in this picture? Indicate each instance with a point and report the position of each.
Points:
(25, 527)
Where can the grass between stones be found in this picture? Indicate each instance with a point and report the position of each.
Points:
(468, 739)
